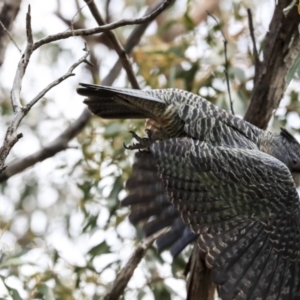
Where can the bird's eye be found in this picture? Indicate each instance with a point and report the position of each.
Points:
(294, 161)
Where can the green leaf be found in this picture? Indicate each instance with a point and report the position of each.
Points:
(12, 262)
(188, 22)
(294, 68)
(22, 252)
(13, 292)
(99, 249)
(46, 292)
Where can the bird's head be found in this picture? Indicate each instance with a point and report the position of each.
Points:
(289, 151)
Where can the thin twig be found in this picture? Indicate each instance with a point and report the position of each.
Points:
(61, 142)
(251, 29)
(10, 37)
(57, 81)
(79, 9)
(226, 63)
(255, 52)
(104, 28)
(227, 77)
(127, 271)
(116, 44)
(11, 137)
(107, 14)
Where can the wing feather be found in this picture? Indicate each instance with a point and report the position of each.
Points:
(151, 205)
(248, 219)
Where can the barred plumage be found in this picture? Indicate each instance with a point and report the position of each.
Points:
(231, 182)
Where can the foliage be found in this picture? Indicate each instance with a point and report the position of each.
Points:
(64, 235)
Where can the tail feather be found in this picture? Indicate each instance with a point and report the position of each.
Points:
(111, 109)
(115, 103)
(170, 237)
(106, 91)
(185, 239)
(146, 212)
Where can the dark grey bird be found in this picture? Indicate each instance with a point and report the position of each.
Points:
(232, 183)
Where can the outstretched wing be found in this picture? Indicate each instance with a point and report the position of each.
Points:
(150, 204)
(245, 206)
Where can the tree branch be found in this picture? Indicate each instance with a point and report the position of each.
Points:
(282, 44)
(104, 28)
(11, 138)
(17, 84)
(8, 14)
(251, 29)
(116, 44)
(61, 142)
(127, 271)
(57, 81)
(199, 284)
(10, 37)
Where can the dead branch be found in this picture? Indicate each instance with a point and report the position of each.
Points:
(90, 40)
(116, 44)
(57, 81)
(61, 142)
(11, 137)
(57, 145)
(23, 63)
(127, 271)
(104, 28)
(282, 44)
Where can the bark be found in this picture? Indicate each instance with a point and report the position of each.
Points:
(61, 142)
(8, 14)
(199, 283)
(282, 44)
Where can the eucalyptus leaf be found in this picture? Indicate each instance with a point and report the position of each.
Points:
(12, 292)
(46, 292)
(99, 249)
(12, 262)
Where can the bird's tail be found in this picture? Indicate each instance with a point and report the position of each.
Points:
(120, 103)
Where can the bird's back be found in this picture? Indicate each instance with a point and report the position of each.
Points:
(173, 111)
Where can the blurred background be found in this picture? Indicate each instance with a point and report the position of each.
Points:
(63, 234)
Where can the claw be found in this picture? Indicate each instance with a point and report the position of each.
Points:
(143, 143)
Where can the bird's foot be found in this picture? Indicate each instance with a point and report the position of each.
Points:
(143, 143)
